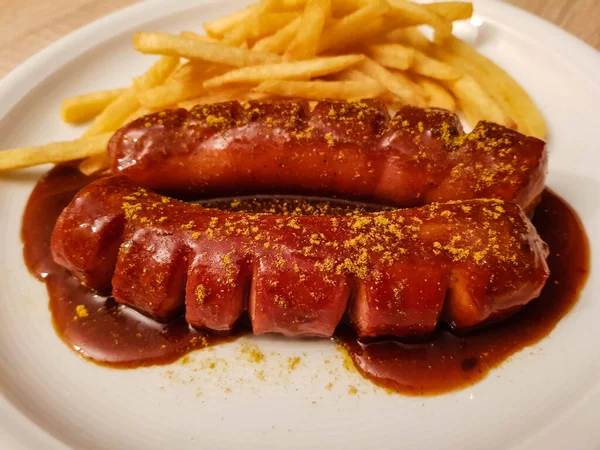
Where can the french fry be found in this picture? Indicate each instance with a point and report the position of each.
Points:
(476, 103)
(83, 108)
(395, 56)
(298, 70)
(351, 28)
(167, 44)
(409, 14)
(170, 93)
(198, 70)
(306, 42)
(432, 68)
(321, 89)
(257, 24)
(437, 95)
(93, 164)
(353, 75)
(341, 8)
(114, 114)
(200, 37)
(157, 74)
(218, 28)
(270, 23)
(238, 35)
(52, 153)
(410, 36)
(221, 95)
(264, 6)
(510, 96)
(289, 5)
(451, 11)
(397, 83)
(279, 41)
(187, 71)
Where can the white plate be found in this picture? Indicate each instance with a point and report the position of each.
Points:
(547, 395)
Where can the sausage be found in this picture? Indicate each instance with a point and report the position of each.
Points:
(397, 272)
(347, 149)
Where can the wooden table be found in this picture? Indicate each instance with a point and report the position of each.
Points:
(27, 26)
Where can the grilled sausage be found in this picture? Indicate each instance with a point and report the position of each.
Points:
(395, 273)
(349, 149)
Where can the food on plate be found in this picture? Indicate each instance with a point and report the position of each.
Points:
(55, 152)
(441, 362)
(458, 262)
(195, 49)
(347, 101)
(349, 149)
(285, 71)
(505, 91)
(82, 108)
(339, 90)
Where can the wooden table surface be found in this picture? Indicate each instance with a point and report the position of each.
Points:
(27, 26)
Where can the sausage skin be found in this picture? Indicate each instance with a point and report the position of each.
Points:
(393, 273)
(347, 149)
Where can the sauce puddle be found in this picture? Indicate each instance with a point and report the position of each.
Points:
(117, 336)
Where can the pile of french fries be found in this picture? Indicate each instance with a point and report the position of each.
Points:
(312, 49)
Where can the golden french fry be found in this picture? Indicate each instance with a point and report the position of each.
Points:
(510, 96)
(289, 5)
(238, 35)
(475, 102)
(451, 11)
(298, 70)
(257, 26)
(187, 71)
(222, 95)
(251, 95)
(408, 14)
(200, 37)
(264, 6)
(112, 117)
(157, 74)
(52, 153)
(437, 95)
(306, 42)
(354, 75)
(341, 8)
(167, 44)
(352, 28)
(270, 23)
(115, 114)
(218, 28)
(396, 82)
(395, 56)
(321, 89)
(198, 70)
(170, 93)
(410, 36)
(85, 107)
(93, 164)
(279, 41)
(432, 68)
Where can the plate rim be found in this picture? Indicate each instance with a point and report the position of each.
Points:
(15, 85)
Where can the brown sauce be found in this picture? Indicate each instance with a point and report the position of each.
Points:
(116, 336)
